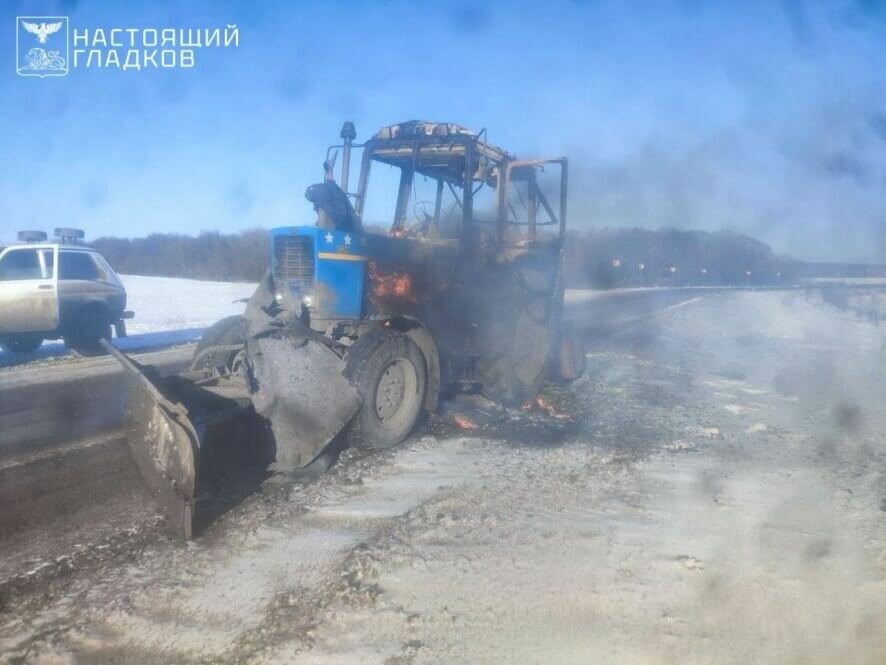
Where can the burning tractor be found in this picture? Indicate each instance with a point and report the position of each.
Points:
(357, 334)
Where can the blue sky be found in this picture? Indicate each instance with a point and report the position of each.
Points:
(767, 118)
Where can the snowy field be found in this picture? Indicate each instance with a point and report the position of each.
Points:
(165, 303)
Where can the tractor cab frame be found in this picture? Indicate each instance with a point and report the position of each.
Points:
(462, 162)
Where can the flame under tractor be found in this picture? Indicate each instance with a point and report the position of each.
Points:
(355, 335)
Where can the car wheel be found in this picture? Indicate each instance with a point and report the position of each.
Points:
(21, 343)
(91, 326)
(390, 374)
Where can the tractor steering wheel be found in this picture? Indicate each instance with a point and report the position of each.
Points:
(424, 212)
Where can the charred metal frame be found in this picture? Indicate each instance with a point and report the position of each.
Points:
(459, 160)
(537, 197)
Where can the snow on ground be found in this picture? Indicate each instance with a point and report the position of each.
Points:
(167, 303)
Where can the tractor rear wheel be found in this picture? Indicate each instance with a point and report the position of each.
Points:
(390, 374)
(568, 360)
(516, 338)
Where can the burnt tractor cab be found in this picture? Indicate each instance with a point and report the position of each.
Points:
(467, 249)
(366, 319)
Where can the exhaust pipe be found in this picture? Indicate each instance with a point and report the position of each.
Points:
(348, 133)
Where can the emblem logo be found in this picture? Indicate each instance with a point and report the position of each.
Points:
(41, 45)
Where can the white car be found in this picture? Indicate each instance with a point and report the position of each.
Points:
(58, 290)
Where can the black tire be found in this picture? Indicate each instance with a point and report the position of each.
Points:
(568, 358)
(516, 337)
(90, 326)
(228, 331)
(390, 374)
(21, 343)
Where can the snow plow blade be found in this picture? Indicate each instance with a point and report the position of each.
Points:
(204, 436)
(168, 422)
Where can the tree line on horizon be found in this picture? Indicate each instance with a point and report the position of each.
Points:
(600, 258)
(210, 255)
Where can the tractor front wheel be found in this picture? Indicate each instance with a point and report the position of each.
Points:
(227, 332)
(390, 374)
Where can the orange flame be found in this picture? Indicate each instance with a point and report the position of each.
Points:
(543, 405)
(391, 285)
(464, 422)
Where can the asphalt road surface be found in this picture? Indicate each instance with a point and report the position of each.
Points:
(714, 490)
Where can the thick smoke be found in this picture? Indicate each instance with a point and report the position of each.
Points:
(800, 163)
(815, 190)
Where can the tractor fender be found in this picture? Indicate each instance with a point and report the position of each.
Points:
(419, 333)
